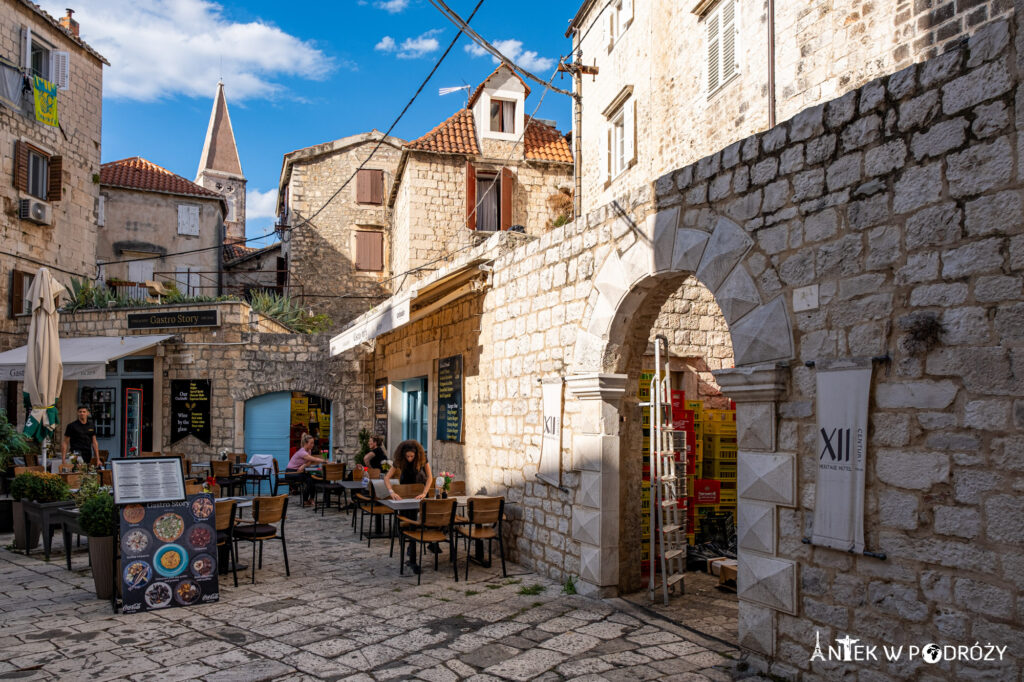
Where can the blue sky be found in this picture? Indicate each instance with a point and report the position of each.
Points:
(298, 73)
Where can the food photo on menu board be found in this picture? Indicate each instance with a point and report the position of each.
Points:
(169, 554)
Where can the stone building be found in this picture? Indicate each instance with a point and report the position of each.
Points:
(829, 236)
(155, 225)
(248, 269)
(220, 169)
(49, 194)
(488, 167)
(337, 246)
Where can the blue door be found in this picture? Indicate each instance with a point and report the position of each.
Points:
(415, 411)
(267, 424)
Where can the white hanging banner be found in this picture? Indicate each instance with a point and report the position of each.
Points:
(843, 390)
(550, 469)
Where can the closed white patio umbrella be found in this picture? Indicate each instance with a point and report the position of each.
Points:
(44, 371)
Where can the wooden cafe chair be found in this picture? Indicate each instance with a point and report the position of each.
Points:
(266, 512)
(226, 531)
(483, 522)
(436, 523)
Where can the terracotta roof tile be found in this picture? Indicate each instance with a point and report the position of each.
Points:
(480, 88)
(138, 173)
(234, 250)
(456, 135)
(545, 143)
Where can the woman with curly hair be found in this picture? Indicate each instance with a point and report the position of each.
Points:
(409, 465)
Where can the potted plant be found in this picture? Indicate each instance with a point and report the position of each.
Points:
(12, 444)
(98, 520)
(44, 494)
(364, 446)
(21, 489)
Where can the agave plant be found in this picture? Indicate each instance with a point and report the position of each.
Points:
(282, 310)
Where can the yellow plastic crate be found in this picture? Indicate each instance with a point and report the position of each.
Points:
(728, 496)
(696, 405)
(723, 470)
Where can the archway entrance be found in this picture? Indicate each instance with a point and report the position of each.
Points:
(274, 423)
(632, 283)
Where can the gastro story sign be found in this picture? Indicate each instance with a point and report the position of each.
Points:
(173, 318)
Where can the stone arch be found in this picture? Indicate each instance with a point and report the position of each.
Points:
(762, 338)
(246, 391)
(759, 323)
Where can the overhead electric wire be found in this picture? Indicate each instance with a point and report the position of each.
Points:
(464, 27)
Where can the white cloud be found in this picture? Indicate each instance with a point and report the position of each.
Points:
(163, 48)
(260, 204)
(513, 49)
(421, 45)
(386, 44)
(392, 6)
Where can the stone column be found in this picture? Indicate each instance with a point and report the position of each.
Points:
(595, 454)
(766, 479)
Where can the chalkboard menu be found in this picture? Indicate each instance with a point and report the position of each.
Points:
(380, 407)
(190, 409)
(449, 399)
(168, 554)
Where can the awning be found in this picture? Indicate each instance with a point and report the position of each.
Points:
(84, 357)
(409, 307)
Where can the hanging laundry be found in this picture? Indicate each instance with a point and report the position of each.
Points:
(46, 101)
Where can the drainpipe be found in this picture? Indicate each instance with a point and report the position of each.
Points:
(771, 63)
(577, 170)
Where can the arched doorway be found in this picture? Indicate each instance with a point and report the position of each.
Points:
(274, 423)
(629, 288)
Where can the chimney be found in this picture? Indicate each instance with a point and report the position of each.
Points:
(69, 23)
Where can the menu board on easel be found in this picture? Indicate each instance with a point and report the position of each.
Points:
(138, 480)
(380, 407)
(449, 399)
(190, 409)
(169, 554)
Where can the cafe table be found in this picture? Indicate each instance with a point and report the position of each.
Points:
(412, 504)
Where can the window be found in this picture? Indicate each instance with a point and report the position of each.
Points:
(40, 64)
(140, 271)
(18, 302)
(720, 27)
(503, 116)
(618, 151)
(369, 250)
(37, 173)
(489, 199)
(40, 59)
(620, 16)
(230, 201)
(370, 186)
(188, 219)
(187, 280)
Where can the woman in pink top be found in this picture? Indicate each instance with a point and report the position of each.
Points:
(296, 469)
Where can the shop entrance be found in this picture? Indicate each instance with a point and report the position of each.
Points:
(274, 423)
(122, 406)
(415, 411)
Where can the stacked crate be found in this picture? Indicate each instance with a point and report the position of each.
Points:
(719, 456)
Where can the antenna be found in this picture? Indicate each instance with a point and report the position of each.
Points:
(449, 90)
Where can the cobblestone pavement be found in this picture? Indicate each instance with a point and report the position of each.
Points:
(345, 613)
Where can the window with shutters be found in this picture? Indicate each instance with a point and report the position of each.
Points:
(18, 302)
(620, 17)
(41, 59)
(619, 143)
(188, 219)
(38, 174)
(369, 250)
(721, 34)
(370, 186)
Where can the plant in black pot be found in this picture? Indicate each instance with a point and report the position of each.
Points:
(12, 444)
(20, 491)
(98, 520)
(42, 496)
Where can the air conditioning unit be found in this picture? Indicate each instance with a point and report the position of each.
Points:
(35, 211)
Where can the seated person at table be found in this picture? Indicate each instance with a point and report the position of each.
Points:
(296, 468)
(376, 455)
(409, 465)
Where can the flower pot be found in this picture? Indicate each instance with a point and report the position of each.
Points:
(101, 555)
(18, 510)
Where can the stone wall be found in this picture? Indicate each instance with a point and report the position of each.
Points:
(900, 200)
(322, 272)
(823, 49)
(246, 356)
(68, 245)
(140, 221)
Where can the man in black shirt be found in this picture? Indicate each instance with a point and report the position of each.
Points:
(376, 455)
(80, 437)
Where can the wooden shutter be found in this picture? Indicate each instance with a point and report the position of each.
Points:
(728, 27)
(629, 130)
(16, 301)
(26, 49)
(375, 249)
(377, 187)
(21, 166)
(55, 184)
(363, 186)
(604, 161)
(101, 211)
(470, 196)
(508, 181)
(713, 48)
(60, 63)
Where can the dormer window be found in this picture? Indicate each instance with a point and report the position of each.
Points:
(503, 116)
